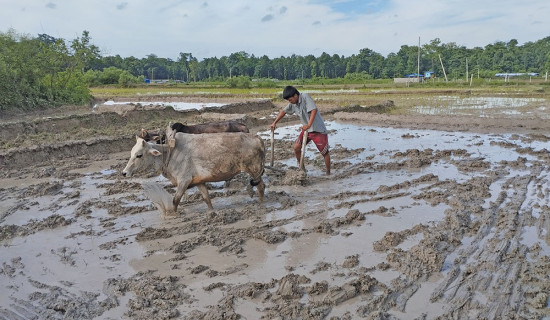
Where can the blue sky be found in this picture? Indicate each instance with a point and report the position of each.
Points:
(215, 28)
(353, 8)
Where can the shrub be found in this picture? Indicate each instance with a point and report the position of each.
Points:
(242, 82)
(127, 80)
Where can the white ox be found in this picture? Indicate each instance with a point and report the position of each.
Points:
(199, 158)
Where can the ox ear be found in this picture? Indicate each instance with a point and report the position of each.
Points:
(155, 152)
(142, 133)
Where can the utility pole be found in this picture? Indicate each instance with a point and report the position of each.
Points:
(467, 69)
(442, 67)
(418, 62)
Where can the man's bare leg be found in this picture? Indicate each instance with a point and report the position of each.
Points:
(327, 162)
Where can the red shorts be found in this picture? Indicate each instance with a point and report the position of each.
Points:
(320, 140)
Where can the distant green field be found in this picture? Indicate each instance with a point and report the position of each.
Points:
(477, 86)
(194, 90)
(432, 93)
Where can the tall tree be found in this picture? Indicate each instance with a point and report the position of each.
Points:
(85, 53)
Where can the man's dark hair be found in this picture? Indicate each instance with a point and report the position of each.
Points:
(289, 91)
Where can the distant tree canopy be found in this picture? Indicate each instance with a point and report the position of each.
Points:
(493, 58)
(44, 71)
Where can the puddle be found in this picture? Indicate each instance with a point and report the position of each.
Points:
(375, 142)
(456, 105)
(179, 106)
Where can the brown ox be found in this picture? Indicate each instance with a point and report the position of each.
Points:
(197, 159)
(208, 127)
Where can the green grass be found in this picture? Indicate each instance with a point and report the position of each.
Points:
(479, 86)
(179, 90)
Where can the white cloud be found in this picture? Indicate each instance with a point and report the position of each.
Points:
(276, 27)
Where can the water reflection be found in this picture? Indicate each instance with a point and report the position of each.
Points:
(456, 105)
(374, 142)
(179, 106)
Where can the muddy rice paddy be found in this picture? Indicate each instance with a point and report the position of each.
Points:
(423, 217)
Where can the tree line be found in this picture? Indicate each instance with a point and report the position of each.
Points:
(455, 60)
(43, 70)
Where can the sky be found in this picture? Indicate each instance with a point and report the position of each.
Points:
(275, 28)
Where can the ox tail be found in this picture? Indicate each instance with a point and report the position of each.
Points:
(160, 198)
(256, 181)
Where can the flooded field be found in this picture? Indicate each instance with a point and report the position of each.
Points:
(414, 223)
(485, 106)
(179, 106)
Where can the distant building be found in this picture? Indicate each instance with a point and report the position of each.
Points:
(415, 77)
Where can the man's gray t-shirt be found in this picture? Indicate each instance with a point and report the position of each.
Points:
(303, 108)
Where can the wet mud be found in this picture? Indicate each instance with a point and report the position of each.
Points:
(416, 222)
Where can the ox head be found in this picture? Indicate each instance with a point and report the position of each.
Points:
(142, 156)
(151, 136)
(144, 134)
